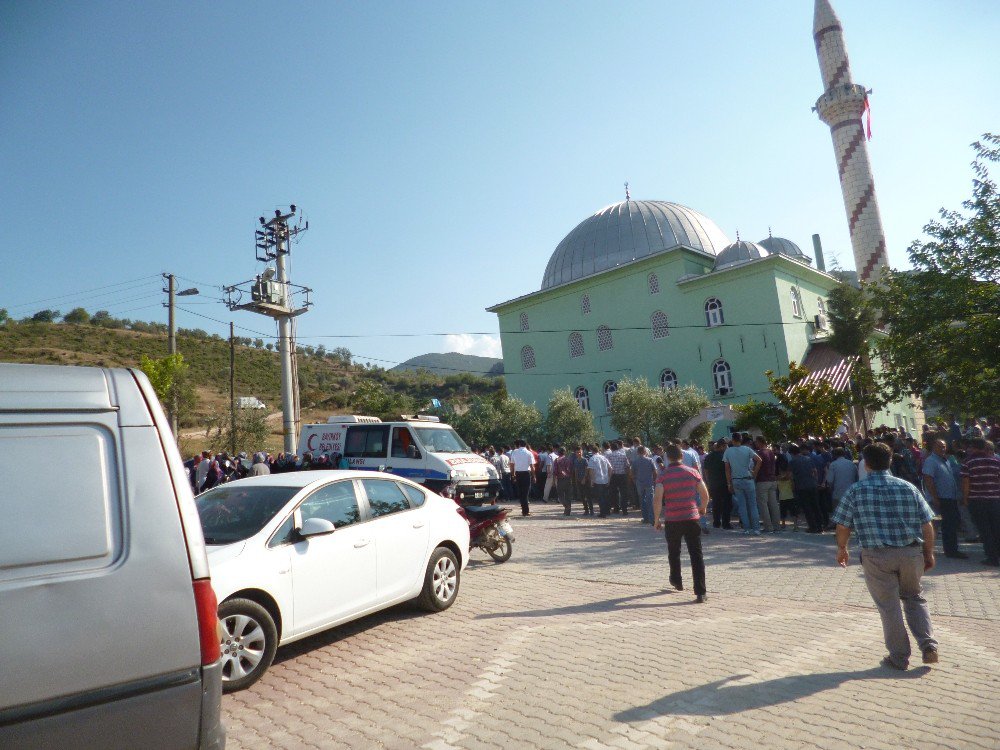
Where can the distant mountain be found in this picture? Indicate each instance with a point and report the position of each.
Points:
(452, 363)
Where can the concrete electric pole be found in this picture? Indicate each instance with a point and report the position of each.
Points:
(172, 295)
(271, 294)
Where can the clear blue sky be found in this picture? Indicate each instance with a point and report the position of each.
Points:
(442, 150)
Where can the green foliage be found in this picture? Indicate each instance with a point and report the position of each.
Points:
(498, 418)
(4, 316)
(77, 315)
(171, 380)
(813, 408)
(374, 399)
(943, 317)
(251, 431)
(656, 414)
(771, 419)
(45, 316)
(853, 317)
(566, 422)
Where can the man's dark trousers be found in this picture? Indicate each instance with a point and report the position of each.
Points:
(950, 521)
(722, 505)
(690, 532)
(986, 515)
(523, 480)
(600, 494)
(809, 504)
(619, 492)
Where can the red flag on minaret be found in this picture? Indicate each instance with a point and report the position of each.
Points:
(866, 110)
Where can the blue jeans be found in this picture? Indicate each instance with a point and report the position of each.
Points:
(745, 498)
(646, 502)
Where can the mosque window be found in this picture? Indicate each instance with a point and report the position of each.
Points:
(527, 358)
(524, 321)
(575, 344)
(821, 305)
(658, 322)
(796, 302)
(585, 304)
(604, 340)
(583, 398)
(713, 312)
(668, 380)
(654, 283)
(722, 377)
(609, 393)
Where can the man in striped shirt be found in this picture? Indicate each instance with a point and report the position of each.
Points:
(678, 491)
(981, 493)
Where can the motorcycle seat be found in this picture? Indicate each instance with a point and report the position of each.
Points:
(483, 511)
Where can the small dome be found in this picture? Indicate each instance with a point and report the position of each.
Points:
(739, 252)
(781, 246)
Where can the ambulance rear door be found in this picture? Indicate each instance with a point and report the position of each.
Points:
(367, 446)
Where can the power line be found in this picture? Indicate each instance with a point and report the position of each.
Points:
(85, 293)
(225, 323)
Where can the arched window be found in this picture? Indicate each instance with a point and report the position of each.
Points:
(722, 377)
(609, 393)
(796, 302)
(658, 322)
(713, 312)
(527, 358)
(575, 344)
(654, 283)
(668, 380)
(524, 321)
(821, 306)
(604, 340)
(585, 304)
(583, 398)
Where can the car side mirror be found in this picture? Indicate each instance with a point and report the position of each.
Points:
(315, 527)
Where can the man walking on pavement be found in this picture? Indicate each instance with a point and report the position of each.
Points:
(742, 465)
(893, 523)
(675, 500)
(523, 463)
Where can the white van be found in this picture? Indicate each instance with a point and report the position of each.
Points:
(109, 636)
(250, 402)
(419, 448)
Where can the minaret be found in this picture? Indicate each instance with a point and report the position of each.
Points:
(841, 107)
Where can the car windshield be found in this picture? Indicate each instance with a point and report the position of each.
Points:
(441, 440)
(237, 511)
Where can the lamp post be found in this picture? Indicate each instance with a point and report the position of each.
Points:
(172, 293)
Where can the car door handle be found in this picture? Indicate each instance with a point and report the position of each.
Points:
(361, 543)
(283, 571)
(419, 524)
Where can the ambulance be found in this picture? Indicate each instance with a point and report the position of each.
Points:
(420, 448)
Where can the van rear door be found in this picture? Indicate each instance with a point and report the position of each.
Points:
(367, 446)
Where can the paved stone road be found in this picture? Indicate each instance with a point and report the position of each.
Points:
(575, 643)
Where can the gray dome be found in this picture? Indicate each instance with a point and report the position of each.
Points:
(626, 231)
(781, 246)
(739, 252)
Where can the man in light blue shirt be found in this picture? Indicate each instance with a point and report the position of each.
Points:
(840, 475)
(941, 491)
(741, 471)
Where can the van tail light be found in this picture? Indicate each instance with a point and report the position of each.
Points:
(208, 621)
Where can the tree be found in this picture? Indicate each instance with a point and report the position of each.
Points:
(4, 316)
(171, 380)
(813, 408)
(656, 414)
(498, 418)
(943, 317)
(250, 435)
(77, 315)
(853, 315)
(375, 400)
(45, 316)
(567, 422)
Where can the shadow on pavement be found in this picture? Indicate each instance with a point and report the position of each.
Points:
(619, 604)
(719, 699)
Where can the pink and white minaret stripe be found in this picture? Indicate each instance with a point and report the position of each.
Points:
(841, 107)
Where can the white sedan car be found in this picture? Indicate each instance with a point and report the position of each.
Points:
(293, 554)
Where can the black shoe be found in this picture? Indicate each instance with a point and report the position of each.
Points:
(957, 555)
(678, 586)
(701, 599)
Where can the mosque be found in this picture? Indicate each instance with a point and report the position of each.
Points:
(656, 290)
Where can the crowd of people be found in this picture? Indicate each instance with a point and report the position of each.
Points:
(762, 488)
(206, 470)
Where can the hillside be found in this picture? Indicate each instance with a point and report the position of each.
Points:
(328, 381)
(449, 363)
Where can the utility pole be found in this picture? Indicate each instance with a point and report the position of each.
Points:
(232, 391)
(271, 294)
(172, 294)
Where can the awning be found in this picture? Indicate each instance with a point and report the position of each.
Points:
(824, 363)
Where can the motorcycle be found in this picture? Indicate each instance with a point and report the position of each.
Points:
(489, 530)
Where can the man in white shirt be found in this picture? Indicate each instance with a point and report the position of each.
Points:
(598, 479)
(523, 464)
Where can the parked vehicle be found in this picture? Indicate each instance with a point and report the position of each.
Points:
(490, 530)
(420, 448)
(108, 627)
(250, 402)
(293, 554)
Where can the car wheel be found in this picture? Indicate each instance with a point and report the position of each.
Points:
(440, 581)
(249, 640)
